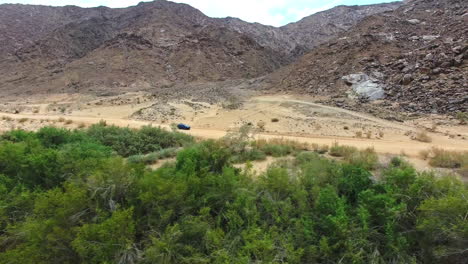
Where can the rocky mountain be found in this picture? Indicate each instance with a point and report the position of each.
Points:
(297, 38)
(415, 57)
(151, 45)
(22, 25)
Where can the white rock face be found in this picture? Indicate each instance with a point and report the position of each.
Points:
(365, 86)
(414, 21)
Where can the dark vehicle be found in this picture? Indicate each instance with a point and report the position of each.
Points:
(183, 127)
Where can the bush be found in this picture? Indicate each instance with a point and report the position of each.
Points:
(462, 117)
(422, 137)
(277, 150)
(127, 142)
(337, 150)
(366, 159)
(75, 201)
(447, 159)
(320, 149)
(274, 120)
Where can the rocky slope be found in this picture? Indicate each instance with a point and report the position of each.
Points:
(22, 25)
(414, 57)
(151, 45)
(297, 38)
(148, 46)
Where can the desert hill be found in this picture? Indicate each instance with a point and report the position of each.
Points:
(149, 46)
(415, 57)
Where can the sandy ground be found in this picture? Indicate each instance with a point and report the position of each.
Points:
(297, 118)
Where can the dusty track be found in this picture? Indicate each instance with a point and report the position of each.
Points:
(383, 146)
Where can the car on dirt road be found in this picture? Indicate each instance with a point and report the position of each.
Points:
(183, 127)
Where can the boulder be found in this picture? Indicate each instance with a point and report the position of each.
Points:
(365, 86)
(407, 79)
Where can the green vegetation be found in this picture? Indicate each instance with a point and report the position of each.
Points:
(71, 197)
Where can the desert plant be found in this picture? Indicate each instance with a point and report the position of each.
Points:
(422, 136)
(381, 134)
(337, 150)
(366, 159)
(61, 119)
(448, 159)
(68, 122)
(320, 149)
(23, 120)
(275, 120)
(261, 125)
(462, 117)
(358, 134)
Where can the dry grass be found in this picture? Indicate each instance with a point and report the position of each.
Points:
(368, 134)
(6, 118)
(337, 150)
(424, 154)
(381, 134)
(23, 120)
(422, 136)
(359, 134)
(82, 125)
(61, 119)
(320, 149)
(68, 122)
(445, 158)
(260, 143)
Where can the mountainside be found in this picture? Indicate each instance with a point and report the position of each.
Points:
(296, 38)
(151, 45)
(414, 57)
(22, 25)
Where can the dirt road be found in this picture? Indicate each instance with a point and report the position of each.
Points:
(409, 147)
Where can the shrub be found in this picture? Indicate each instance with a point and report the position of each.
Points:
(68, 122)
(249, 155)
(23, 120)
(129, 142)
(61, 119)
(366, 159)
(274, 120)
(320, 149)
(381, 134)
(462, 117)
(422, 136)
(447, 159)
(261, 125)
(277, 150)
(359, 134)
(337, 150)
